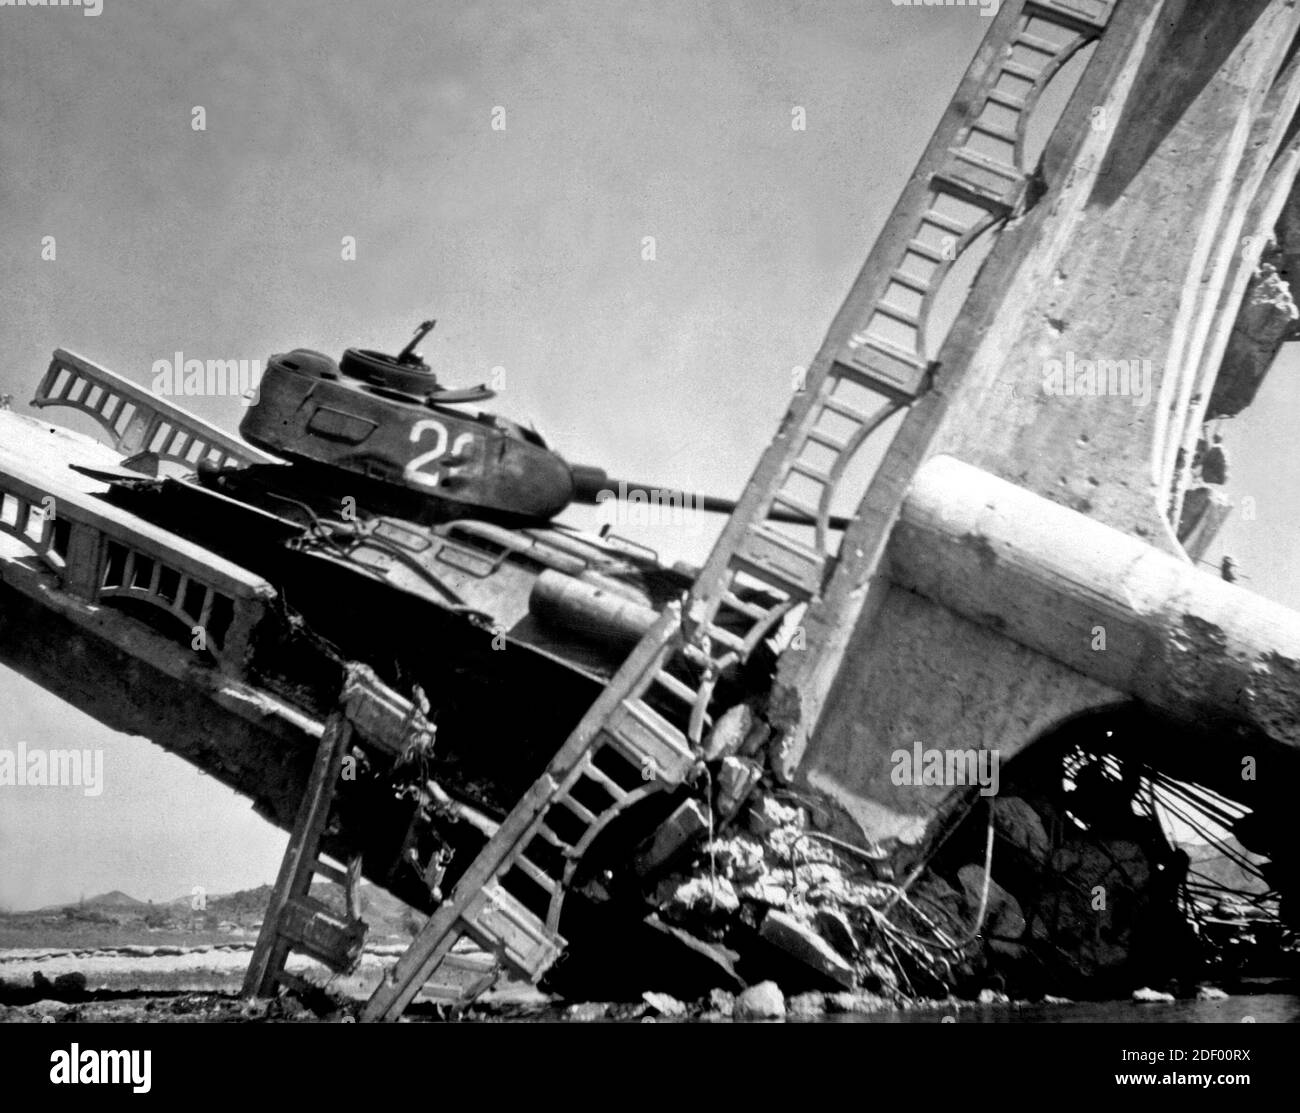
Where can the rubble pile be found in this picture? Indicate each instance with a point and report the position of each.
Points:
(780, 900)
(1002, 897)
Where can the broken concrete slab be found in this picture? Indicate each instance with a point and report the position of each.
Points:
(663, 1004)
(721, 959)
(736, 780)
(803, 942)
(672, 838)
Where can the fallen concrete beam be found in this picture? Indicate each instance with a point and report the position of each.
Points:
(1099, 601)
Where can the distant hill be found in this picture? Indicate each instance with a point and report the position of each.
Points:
(111, 900)
(237, 906)
(385, 914)
(116, 899)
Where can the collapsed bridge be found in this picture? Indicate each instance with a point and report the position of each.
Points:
(1006, 525)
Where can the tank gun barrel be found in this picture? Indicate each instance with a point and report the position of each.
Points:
(590, 484)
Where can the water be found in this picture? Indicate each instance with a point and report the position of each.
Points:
(1261, 1008)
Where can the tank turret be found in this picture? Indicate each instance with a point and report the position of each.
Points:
(389, 420)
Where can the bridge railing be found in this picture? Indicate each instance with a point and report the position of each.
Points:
(136, 419)
(101, 554)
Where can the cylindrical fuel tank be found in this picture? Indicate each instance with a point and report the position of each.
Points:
(591, 612)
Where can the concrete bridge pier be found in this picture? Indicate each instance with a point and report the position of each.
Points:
(1008, 614)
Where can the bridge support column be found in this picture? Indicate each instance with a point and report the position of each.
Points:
(1006, 613)
(1099, 601)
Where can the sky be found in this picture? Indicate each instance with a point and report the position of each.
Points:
(624, 122)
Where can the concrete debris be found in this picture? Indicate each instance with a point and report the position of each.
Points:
(729, 733)
(722, 1002)
(1210, 993)
(803, 942)
(806, 1005)
(764, 1001)
(700, 958)
(827, 913)
(704, 893)
(811, 902)
(664, 1005)
(740, 858)
(767, 814)
(764, 891)
(1153, 996)
(673, 837)
(587, 1011)
(856, 1003)
(737, 778)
